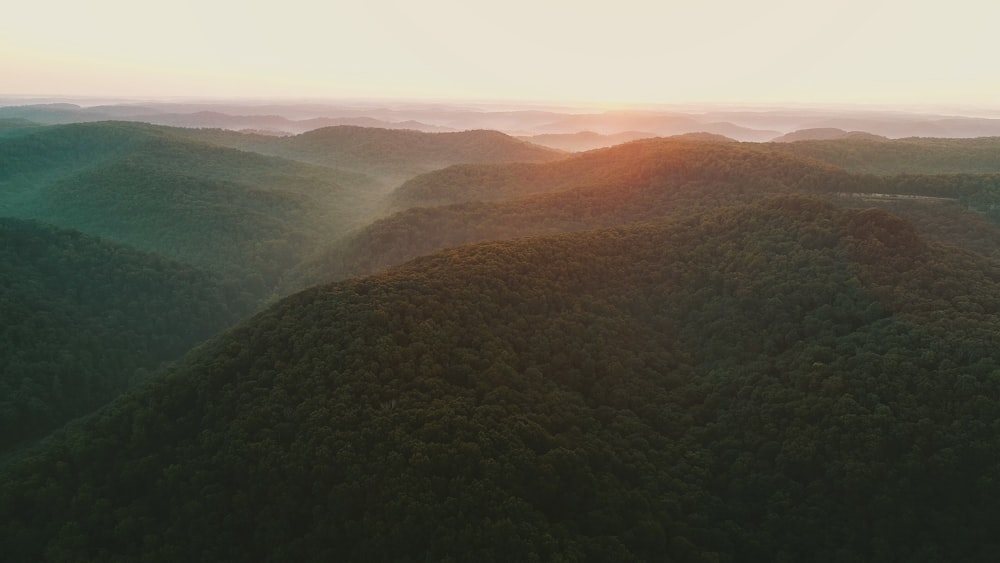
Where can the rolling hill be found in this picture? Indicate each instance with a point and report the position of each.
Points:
(398, 154)
(826, 134)
(10, 127)
(584, 140)
(638, 161)
(903, 156)
(779, 381)
(681, 349)
(637, 181)
(234, 212)
(82, 319)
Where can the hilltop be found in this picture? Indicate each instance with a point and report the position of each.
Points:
(584, 140)
(638, 181)
(682, 348)
(234, 212)
(825, 134)
(903, 156)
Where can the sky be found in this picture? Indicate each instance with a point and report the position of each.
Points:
(621, 52)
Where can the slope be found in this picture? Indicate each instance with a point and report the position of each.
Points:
(395, 154)
(584, 140)
(233, 212)
(641, 181)
(903, 156)
(634, 162)
(778, 382)
(81, 319)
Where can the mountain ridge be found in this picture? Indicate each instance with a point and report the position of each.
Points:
(439, 409)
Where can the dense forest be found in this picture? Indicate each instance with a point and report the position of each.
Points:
(83, 319)
(903, 156)
(744, 384)
(637, 181)
(387, 345)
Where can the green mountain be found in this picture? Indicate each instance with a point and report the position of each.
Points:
(234, 212)
(903, 156)
(82, 319)
(183, 197)
(782, 381)
(10, 127)
(584, 140)
(639, 181)
(389, 154)
(680, 159)
(694, 350)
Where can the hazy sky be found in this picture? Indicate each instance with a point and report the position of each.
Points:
(836, 51)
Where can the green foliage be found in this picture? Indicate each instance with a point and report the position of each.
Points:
(671, 159)
(903, 156)
(12, 127)
(400, 153)
(237, 213)
(640, 181)
(729, 372)
(775, 382)
(82, 319)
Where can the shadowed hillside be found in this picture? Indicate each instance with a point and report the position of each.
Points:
(776, 382)
(82, 319)
(233, 212)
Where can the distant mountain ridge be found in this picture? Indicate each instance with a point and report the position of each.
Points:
(584, 140)
(673, 349)
(401, 154)
(638, 181)
(150, 188)
(825, 134)
(83, 319)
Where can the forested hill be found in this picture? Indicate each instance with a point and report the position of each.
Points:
(640, 181)
(584, 140)
(903, 156)
(237, 213)
(10, 127)
(399, 153)
(784, 381)
(82, 319)
(681, 159)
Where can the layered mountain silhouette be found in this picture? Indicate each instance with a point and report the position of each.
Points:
(84, 319)
(825, 134)
(904, 156)
(647, 392)
(754, 124)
